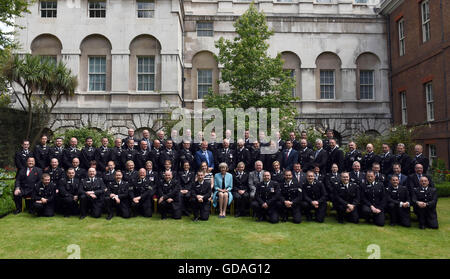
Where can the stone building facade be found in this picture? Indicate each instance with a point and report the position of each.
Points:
(132, 69)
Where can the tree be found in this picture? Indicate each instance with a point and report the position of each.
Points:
(42, 83)
(255, 79)
(9, 9)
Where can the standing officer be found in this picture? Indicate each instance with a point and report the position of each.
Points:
(271, 155)
(186, 155)
(420, 158)
(295, 143)
(91, 194)
(335, 156)
(41, 152)
(240, 190)
(373, 199)
(404, 160)
(116, 154)
(326, 141)
(55, 172)
(227, 155)
(305, 155)
(117, 197)
(398, 203)
(128, 154)
(155, 155)
(169, 197)
(169, 154)
(387, 159)
(347, 199)
(186, 177)
(267, 198)
(353, 155)
(200, 194)
(130, 137)
(43, 197)
(70, 153)
(142, 155)
(22, 156)
(320, 157)
(141, 193)
(26, 180)
(291, 196)
(68, 193)
(87, 153)
(424, 199)
(304, 135)
(57, 151)
(314, 198)
(103, 155)
(242, 154)
(290, 157)
(379, 177)
(369, 158)
(146, 138)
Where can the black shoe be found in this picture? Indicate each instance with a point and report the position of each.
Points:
(284, 219)
(17, 211)
(422, 227)
(109, 217)
(66, 216)
(82, 217)
(163, 217)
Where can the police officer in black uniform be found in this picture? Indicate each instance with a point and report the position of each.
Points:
(291, 196)
(398, 203)
(347, 199)
(186, 155)
(314, 198)
(186, 178)
(116, 154)
(103, 155)
(43, 197)
(424, 199)
(169, 197)
(55, 172)
(373, 199)
(22, 156)
(330, 181)
(141, 194)
(387, 160)
(404, 160)
(419, 158)
(80, 173)
(41, 152)
(142, 155)
(369, 158)
(353, 155)
(130, 175)
(70, 153)
(57, 151)
(87, 153)
(242, 154)
(227, 155)
(356, 175)
(68, 187)
(110, 173)
(91, 195)
(241, 191)
(169, 153)
(266, 201)
(129, 154)
(116, 196)
(305, 155)
(200, 194)
(335, 156)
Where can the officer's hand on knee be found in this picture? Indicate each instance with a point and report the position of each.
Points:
(17, 192)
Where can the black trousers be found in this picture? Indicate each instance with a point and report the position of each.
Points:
(68, 206)
(166, 208)
(270, 213)
(319, 213)
(241, 202)
(44, 210)
(24, 193)
(89, 204)
(378, 219)
(144, 206)
(185, 202)
(399, 215)
(295, 210)
(122, 208)
(201, 209)
(342, 214)
(427, 217)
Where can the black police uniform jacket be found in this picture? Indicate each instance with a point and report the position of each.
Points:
(47, 192)
(305, 158)
(314, 192)
(267, 192)
(368, 160)
(128, 155)
(185, 155)
(240, 182)
(406, 162)
(351, 157)
(144, 188)
(243, 156)
(55, 174)
(97, 186)
(130, 176)
(344, 195)
(141, 157)
(118, 188)
(69, 154)
(171, 155)
(227, 156)
(169, 190)
(57, 152)
(102, 156)
(41, 154)
(87, 155)
(427, 195)
(186, 179)
(21, 158)
(374, 194)
(397, 195)
(202, 189)
(291, 191)
(386, 162)
(68, 187)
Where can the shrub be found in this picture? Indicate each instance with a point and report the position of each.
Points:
(443, 189)
(6, 197)
(82, 133)
(439, 172)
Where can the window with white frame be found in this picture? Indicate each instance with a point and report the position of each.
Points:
(145, 9)
(432, 153)
(366, 84)
(49, 58)
(324, 1)
(205, 28)
(292, 74)
(146, 73)
(401, 36)
(48, 8)
(361, 1)
(97, 8)
(425, 8)
(327, 84)
(430, 101)
(204, 82)
(404, 108)
(97, 73)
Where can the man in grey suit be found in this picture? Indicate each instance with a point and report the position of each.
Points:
(255, 177)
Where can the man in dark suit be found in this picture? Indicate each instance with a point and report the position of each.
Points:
(241, 191)
(404, 160)
(298, 175)
(414, 179)
(169, 197)
(68, 187)
(255, 177)
(26, 180)
(320, 157)
(41, 152)
(227, 155)
(91, 194)
(242, 154)
(116, 154)
(87, 154)
(142, 155)
(424, 200)
(155, 155)
(80, 173)
(295, 143)
(304, 136)
(353, 155)
(57, 151)
(71, 152)
(305, 156)
(266, 201)
(290, 156)
(369, 158)
(347, 199)
(204, 155)
(291, 197)
(373, 199)
(186, 179)
(169, 154)
(130, 137)
(147, 139)
(129, 153)
(326, 141)
(103, 155)
(315, 198)
(280, 142)
(420, 158)
(22, 156)
(398, 203)
(43, 197)
(387, 159)
(335, 156)
(356, 175)
(402, 179)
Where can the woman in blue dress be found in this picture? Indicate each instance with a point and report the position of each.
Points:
(223, 183)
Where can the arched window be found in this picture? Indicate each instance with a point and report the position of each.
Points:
(95, 64)
(367, 76)
(328, 76)
(47, 46)
(292, 64)
(145, 64)
(205, 74)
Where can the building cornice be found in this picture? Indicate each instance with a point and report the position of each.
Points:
(388, 6)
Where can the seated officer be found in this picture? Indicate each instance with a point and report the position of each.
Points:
(186, 178)
(68, 193)
(241, 191)
(130, 175)
(26, 180)
(43, 197)
(267, 197)
(141, 194)
(346, 199)
(398, 203)
(314, 198)
(91, 194)
(117, 197)
(169, 197)
(424, 200)
(291, 196)
(200, 194)
(373, 199)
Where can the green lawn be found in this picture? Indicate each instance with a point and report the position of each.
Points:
(26, 236)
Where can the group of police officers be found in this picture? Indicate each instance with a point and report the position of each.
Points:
(292, 179)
